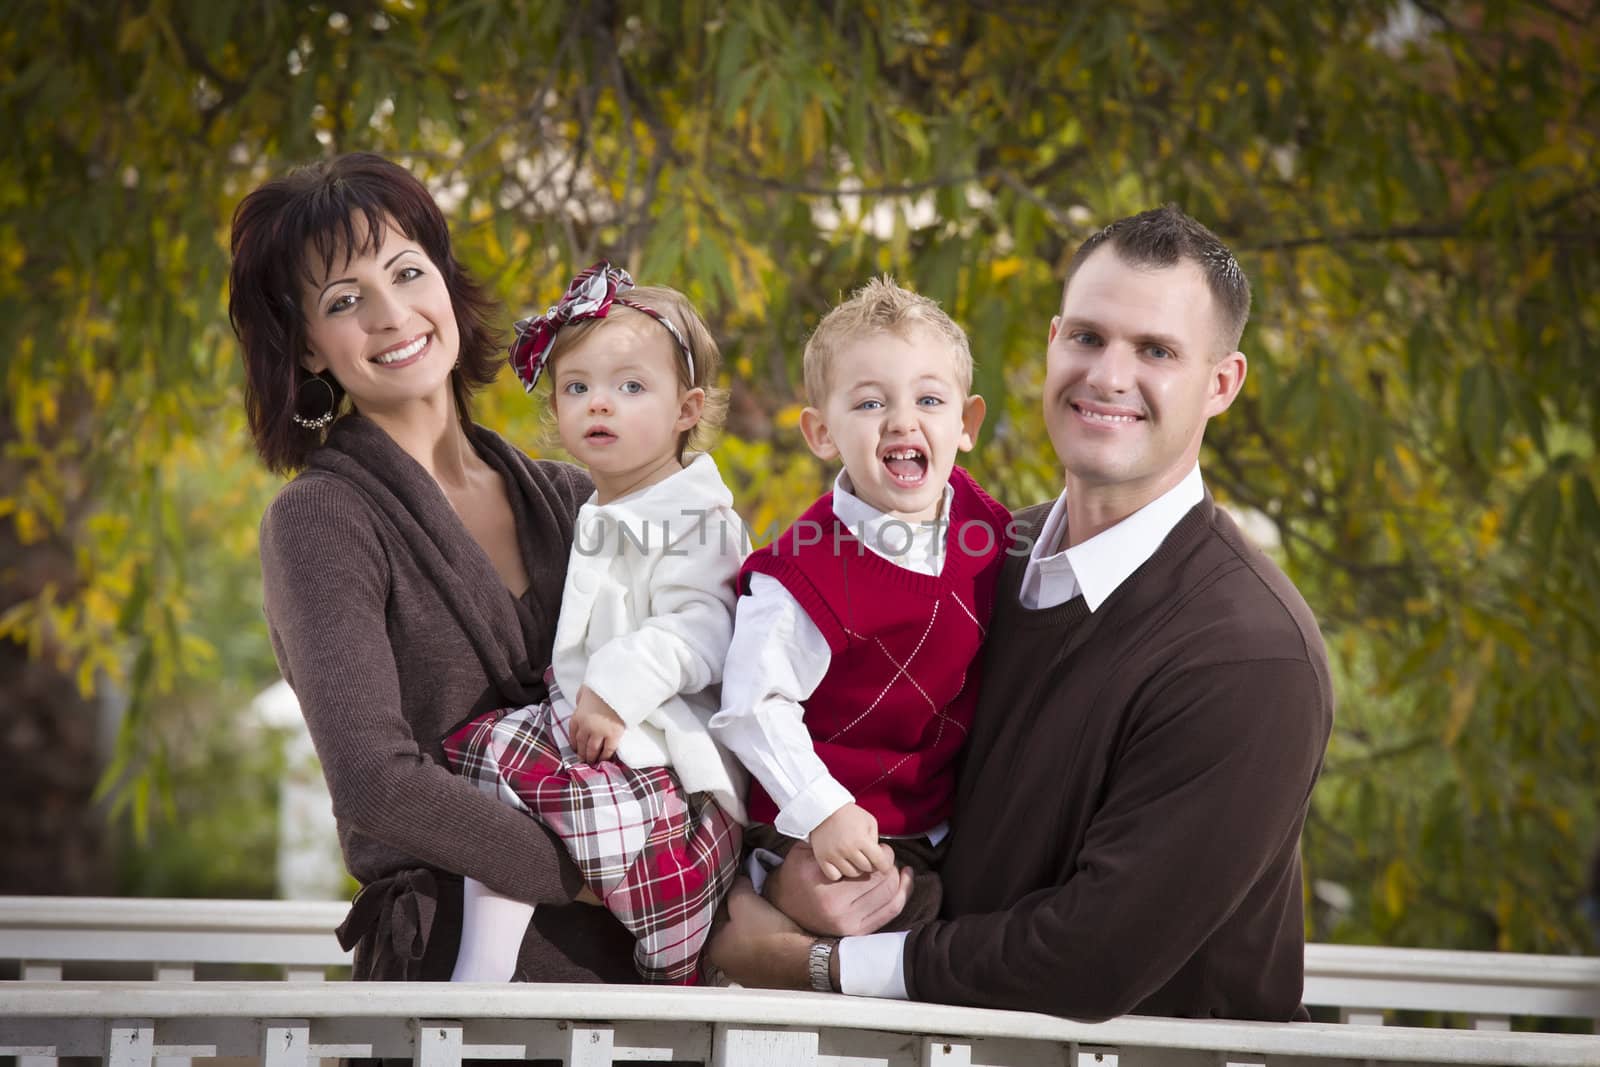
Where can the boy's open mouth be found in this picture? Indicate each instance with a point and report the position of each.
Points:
(907, 466)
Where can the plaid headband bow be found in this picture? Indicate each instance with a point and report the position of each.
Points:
(590, 296)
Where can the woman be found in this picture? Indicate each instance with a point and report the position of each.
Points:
(412, 571)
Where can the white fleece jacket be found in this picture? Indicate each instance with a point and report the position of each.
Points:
(646, 617)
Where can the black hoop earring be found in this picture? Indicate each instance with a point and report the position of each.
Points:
(326, 417)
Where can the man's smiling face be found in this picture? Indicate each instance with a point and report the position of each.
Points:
(1135, 367)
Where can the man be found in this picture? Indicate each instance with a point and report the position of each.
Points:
(1155, 708)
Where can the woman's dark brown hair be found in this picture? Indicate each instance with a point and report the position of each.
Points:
(314, 216)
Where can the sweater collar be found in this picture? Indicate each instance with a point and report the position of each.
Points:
(360, 452)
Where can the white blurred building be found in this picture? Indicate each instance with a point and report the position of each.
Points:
(309, 864)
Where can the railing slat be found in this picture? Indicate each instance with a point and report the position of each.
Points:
(937, 1052)
(285, 1042)
(590, 1046)
(438, 1044)
(734, 1046)
(130, 1042)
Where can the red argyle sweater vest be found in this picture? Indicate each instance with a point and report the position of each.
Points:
(893, 711)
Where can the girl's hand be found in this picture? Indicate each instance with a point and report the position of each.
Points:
(595, 728)
(846, 844)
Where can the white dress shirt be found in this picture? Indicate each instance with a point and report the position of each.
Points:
(778, 657)
(874, 965)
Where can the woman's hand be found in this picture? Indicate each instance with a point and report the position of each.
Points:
(846, 844)
(595, 729)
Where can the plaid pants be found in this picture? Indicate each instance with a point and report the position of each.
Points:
(659, 860)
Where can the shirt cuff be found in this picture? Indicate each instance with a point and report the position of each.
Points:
(819, 799)
(873, 965)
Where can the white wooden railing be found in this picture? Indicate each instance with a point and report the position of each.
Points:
(54, 1010)
(283, 1023)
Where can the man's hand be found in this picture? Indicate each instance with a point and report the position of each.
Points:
(757, 945)
(595, 728)
(838, 908)
(846, 844)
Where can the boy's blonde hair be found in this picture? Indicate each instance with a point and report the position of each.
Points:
(707, 356)
(880, 306)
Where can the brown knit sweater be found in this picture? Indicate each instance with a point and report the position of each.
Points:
(392, 626)
(1129, 812)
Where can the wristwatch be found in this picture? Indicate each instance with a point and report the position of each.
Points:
(819, 964)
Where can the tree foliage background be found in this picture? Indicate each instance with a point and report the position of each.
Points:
(1411, 186)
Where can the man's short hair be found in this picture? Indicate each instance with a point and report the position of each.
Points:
(880, 306)
(1165, 236)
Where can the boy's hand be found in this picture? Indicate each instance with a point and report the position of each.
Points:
(595, 728)
(846, 844)
(837, 909)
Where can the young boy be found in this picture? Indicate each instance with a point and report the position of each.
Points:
(853, 672)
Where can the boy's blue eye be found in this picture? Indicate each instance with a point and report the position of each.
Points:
(930, 401)
(869, 405)
(632, 388)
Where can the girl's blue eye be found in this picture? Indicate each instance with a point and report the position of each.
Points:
(632, 388)
(574, 388)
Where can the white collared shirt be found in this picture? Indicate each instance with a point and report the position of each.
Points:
(1097, 566)
(874, 965)
(778, 657)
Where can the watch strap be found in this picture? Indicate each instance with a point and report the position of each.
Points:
(819, 964)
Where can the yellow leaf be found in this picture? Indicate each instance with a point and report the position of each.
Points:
(788, 418)
(28, 527)
(1001, 269)
(1396, 888)
(1488, 530)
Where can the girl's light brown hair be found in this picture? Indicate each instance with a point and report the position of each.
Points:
(702, 346)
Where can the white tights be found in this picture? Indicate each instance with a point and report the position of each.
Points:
(492, 928)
